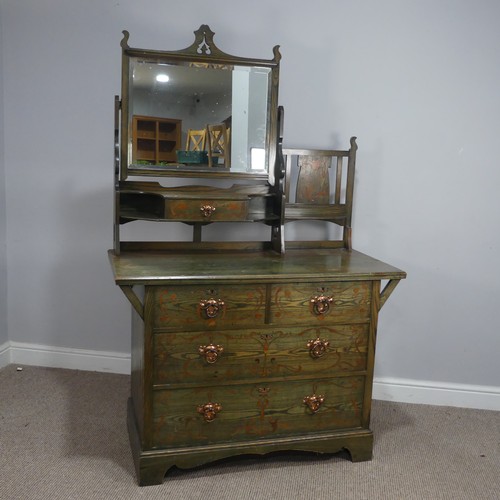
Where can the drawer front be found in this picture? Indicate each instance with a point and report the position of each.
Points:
(245, 412)
(238, 355)
(208, 308)
(206, 210)
(320, 304)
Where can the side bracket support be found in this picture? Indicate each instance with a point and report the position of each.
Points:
(386, 292)
(134, 300)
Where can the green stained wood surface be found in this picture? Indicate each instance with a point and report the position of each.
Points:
(235, 328)
(253, 266)
(291, 302)
(265, 367)
(313, 184)
(178, 307)
(258, 353)
(151, 466)
(252, 411)
(220, 210)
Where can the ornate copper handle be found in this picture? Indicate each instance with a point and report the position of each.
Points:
(317, 347)
(314, 402)
(209, 411)
(207, 210)
(212, 307)
(321, 304)
(211, 352)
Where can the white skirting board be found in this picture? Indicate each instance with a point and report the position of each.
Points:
(427, 392)
(21, 353)
(5, 358)
(388, 389)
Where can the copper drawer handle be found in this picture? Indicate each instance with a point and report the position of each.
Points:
(321, 304)
(314, 402)
(211, 352)
(207, 210)
(317, 347)
(209, 411)
(212, 307)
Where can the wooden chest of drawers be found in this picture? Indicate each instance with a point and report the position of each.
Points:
(244, 353)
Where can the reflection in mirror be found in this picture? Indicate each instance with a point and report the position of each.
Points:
(198, 115)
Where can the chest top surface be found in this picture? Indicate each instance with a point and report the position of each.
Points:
(226, 266)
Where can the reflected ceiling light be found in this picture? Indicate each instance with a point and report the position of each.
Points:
(162, 77)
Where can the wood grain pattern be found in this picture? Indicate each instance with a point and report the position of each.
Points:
(178, 307)
(265, 369)
(227, 265)
(313, 184)
(152, 465)
(291, 302)
(190, 210)
(261, 353)
(251, 411)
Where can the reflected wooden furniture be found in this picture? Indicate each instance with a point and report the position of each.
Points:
(155, 140)
(196, 140)
(218, 145)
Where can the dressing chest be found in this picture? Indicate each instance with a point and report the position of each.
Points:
(239, 347)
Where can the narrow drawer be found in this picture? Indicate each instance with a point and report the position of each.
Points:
(238, 355)
(253, 411)
(325, 304)
(201, 307)
(206, 210)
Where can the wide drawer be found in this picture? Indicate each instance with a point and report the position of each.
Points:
(313, 303)
(243, 412)
(206, 210)
(236, 355)
(187, 307)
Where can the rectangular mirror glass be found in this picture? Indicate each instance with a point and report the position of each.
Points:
(197, 116)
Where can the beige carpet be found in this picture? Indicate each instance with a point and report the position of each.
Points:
(63, 436)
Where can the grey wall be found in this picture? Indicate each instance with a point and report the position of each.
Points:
(3, 217)
(417, 82)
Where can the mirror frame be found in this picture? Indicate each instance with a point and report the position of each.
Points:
(203, 50)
